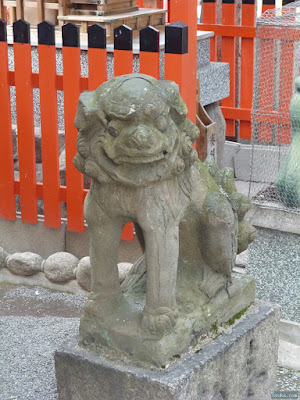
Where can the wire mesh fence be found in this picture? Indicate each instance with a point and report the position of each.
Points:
(275, 158)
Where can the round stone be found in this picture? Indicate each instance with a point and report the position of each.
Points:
(124, 268)
(25, 264)
(3, 256)
(83, 273)
(60, 267)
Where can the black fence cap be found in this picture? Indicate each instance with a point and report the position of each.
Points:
(149, 39)
(209, 1)
(70, 34)
(228, 1)
(177, 37)
(285, 2)
(3, 31)
(123, 38)
(21, 31)
(269, 2)
(248, 2)
(96, 37)
(46, 33)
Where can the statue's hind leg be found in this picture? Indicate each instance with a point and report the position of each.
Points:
(218, 243)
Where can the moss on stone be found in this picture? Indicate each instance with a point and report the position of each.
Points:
(238, 315)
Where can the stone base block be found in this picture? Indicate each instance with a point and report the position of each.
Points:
(239, 365)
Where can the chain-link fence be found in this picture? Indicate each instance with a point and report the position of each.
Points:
(275, 161)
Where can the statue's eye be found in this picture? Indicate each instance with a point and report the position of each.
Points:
(161, 123)
(112, 131)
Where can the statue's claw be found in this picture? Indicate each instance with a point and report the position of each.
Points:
(160, 321)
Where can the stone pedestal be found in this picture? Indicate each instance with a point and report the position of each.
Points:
(239, 365)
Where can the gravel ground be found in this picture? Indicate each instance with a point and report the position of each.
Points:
(274, 261)
(27, 345)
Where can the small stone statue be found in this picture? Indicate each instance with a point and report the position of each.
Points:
(136, 143)
(288, 179)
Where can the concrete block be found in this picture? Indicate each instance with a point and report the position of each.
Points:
(230, 150)
(239, 365)
(259, 163)
(203, 52)
(78, 243)
(275, 219)
(290, 332)
(214, 82)
(289, 355)
(18, 236)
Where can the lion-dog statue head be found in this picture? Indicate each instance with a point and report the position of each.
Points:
(131, 124)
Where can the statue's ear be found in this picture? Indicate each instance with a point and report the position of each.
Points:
(178, 109)
(89, 112)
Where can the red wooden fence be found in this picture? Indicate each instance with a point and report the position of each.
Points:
(178, 62)
(237, 107)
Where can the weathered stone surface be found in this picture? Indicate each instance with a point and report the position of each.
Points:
(83, 273)
(26, 263)
(59, 267)
(239, 365)
(136, 143)
(62, 171)
(3, 256)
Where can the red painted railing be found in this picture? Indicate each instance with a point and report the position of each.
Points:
(237, 107)
(178, 67)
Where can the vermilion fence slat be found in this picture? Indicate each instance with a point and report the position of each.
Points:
(149, 64)
(228, 55)
(123, 56)
(97, 56)
(286, 83)
(186, 12)
(247, 66)
(72, 90)
(25, 122)
(209, 14)
(266, 86)
(267, 5)
(149, 52)
(49, 126)
(177, 57)
(7, 193)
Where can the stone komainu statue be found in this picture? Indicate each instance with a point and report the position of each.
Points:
(136, 143)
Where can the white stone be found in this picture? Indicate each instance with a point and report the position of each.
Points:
(3, 256)
(83, 273)
(25, 264)
(124, 268)
(289, 355)
(60, 267)
(242, 259)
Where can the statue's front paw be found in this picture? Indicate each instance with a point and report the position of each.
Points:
(160, 321)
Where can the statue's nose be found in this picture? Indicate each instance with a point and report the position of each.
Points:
(141, 139)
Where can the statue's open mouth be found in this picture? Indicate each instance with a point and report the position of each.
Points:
(142, 159)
